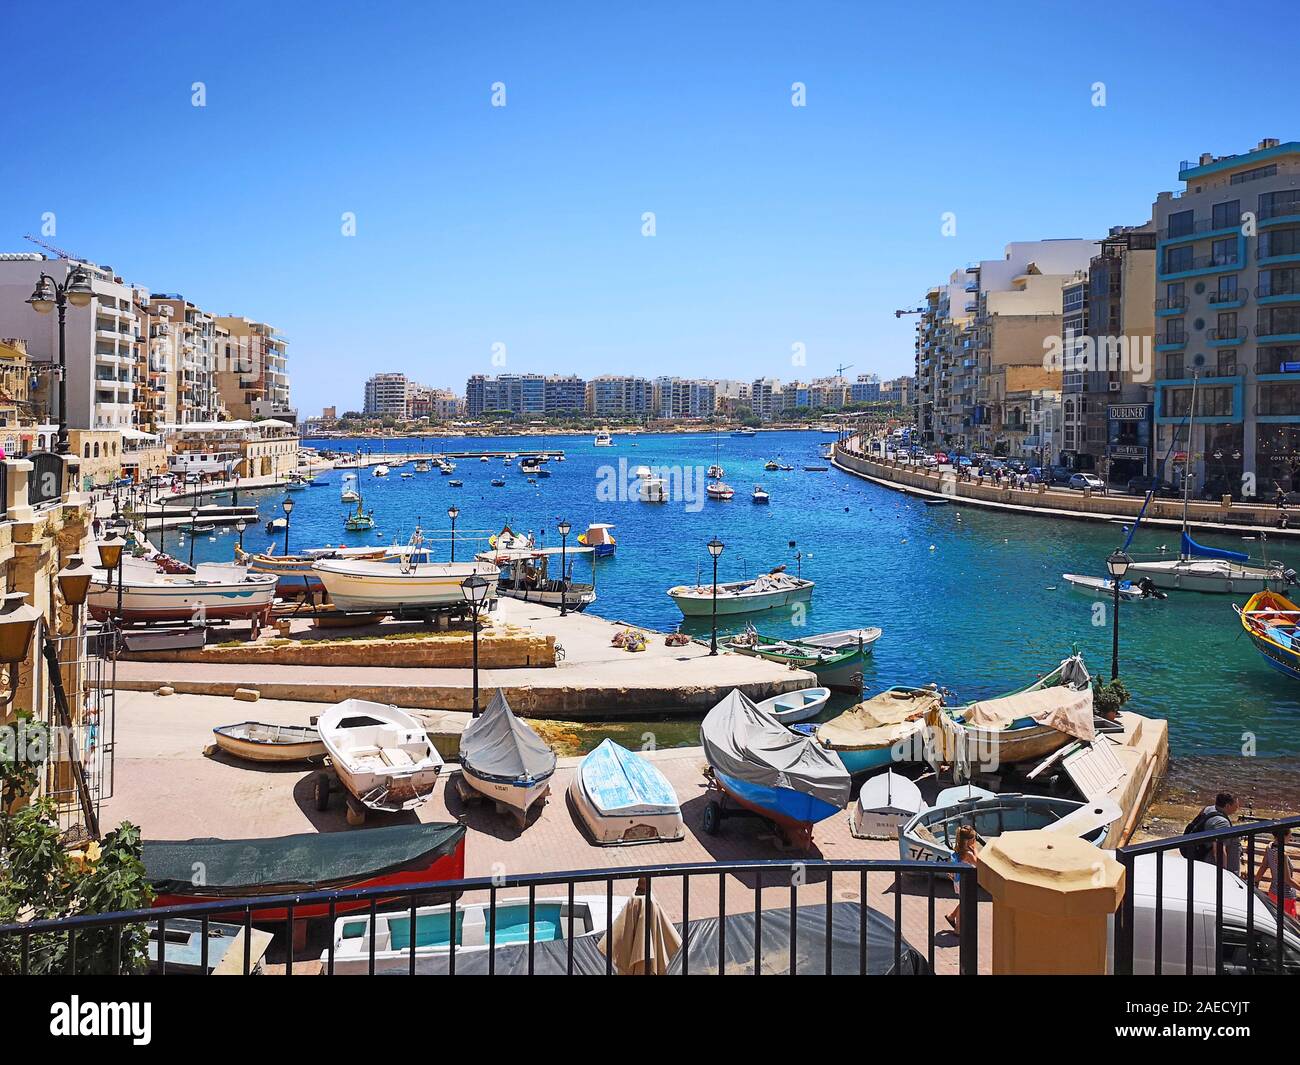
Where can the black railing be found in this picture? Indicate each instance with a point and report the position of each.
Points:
(119, 935)
(1252, 938)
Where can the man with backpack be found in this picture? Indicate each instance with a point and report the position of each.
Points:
(1225, 853)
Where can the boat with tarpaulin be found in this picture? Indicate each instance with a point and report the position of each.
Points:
(887, 729)
(504, 760)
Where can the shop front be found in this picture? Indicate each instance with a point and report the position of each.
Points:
(1128, 441)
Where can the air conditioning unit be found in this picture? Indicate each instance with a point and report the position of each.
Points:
(1114, 386)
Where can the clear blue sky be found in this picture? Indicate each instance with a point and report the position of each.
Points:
(522, 225)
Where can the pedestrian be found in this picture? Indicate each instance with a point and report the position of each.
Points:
(1225, 853)
(96, 525)
(1279, 870)
(968, 851)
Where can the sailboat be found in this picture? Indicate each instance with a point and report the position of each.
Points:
(359, 520)
(349, 493)
(1206, 569)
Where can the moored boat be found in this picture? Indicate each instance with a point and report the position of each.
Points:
(801, 705)
(503, 759)
(886, 729)
(768, 591)
(599, 538)
(1104, 587)
(835, 657)
(760, 496)
(1206, 569)
(381, 470)
(620, 797)
(719, 490)
(603, 439)
(257, 741)
(382, 755)
(1270, 621)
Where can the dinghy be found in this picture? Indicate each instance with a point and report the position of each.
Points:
(761, 766)
(1104, 587)
(835, 657)
(502, 758)
(886, 729)
(793, 707)
(381, 754)
(886, 802)
(256, 741)
(621, 797)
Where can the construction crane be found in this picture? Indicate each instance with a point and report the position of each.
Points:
(839, 370)
(899, 314)
(58, 252)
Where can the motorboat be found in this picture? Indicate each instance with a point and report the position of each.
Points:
(760, 496)
(295, 484)
(422, 466)
(836, 658)
(603, 439)
(382, 755)
(484, 458)
(652, 490)
(599, 538)
(620, 797)
(348, 492)
(503, 759)
(509, 540)
(455, 484)
(887, 729)
(213, 591)
(744, 432)
(525, 574)
(885, 803)
(380, 471)
(768, 591)
(1104, 587)
(931, 835)
(294, 573)
(386, 938)
(1270, 620)
(256, 741)
(802, 704)
(1207, 569)
(407, 475)
(498, 482)
(771, 465)
(446, 468)
(719, 490)
(759, 765)
(411, 583)
(816, 469)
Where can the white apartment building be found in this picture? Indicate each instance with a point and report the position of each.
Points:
(388, 394)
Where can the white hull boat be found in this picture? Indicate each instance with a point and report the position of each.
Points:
(366, 586)
(1215, 575)
(767, 592)
(621, 797)
(381, 471)
(1104, 587)
(886, 802)
(504, 760)
(214, 591)
(793, 707)
(603, 440)
(381, 754)
(652, 490)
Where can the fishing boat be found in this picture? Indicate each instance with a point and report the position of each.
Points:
(886, 802)
(412, 583)
(348, 493)
(1104, 587)
(802, 704)
(1270, 619)
(380, 471)
(503, 759)
(718, 490)
(509, 540)
(391, 856)
(887, 729)
(294, 573)
(760, 496)
(295, 484)
(213, 591)
(836, 658)
(599, 538)
(761, 766)
(768, 591)
(256, 741)
(931, 835)
(478, 927)
(525, 574)
(382, 755)
(603, 439)
(198, 529)
(620, 797)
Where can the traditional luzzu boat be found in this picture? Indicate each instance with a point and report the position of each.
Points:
(256, 741)
(1024, 726)
(887, 729)
(931, 835)
(525, 574)
(382, 755)
(599, 538)
(620, 797)
(761, 766)
(504, 760)
(835, 657)
(295, 574)
(1270, 620)
(214, 590)
(768, 591)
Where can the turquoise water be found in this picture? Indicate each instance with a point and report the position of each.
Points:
(970, 599)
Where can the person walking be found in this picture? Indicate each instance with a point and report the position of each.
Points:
(1225, 853)
(1277, 868)
(968, 851)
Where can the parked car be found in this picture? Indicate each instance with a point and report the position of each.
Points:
(1087, 480)
(1017, 466)
(1140, 486)
(941, 457)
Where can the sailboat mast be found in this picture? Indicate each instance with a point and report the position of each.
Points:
(1187, 465)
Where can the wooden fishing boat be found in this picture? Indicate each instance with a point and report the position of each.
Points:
(295, 573)
(214, 591)
(248, 869)
(257, 741)
(836, 658)
(410, 584)
(620, 797)
(504, 760)
(886, 802)
(525, 574)
(599, 538)
(382, 755)
(768, 591)
(887, 729)
(801, 705)
(1270, 620)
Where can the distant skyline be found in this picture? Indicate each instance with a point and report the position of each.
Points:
(517, 230)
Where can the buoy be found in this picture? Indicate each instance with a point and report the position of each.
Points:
(932, 547)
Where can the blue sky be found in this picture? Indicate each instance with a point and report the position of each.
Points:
(522, 225)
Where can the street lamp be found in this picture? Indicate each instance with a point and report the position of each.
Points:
(453, 512)
(715, 549)
(563, 529)
(1117, 563)
(240, 526)
(46, 296)
(194, 520)
(110, 558)
(287, 507)
(17, 627)
(474, 588)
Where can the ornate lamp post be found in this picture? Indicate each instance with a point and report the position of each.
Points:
(1117, 563)
(474, 589)
(49, 295)
(194, 520)
(17, 626)
(110, 558)
(715, 549)
(453, 512)
(240, 526)
(563, 529)
(287, 507)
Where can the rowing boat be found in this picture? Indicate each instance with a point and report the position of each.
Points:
(256, 741)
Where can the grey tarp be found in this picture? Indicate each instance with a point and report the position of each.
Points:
(699, 956)
(742, 741)
(497, 745)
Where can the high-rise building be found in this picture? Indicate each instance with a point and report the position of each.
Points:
(251, 374)
(616, 395)
(387, 395)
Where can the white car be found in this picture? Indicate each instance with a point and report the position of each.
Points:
(1087, 480)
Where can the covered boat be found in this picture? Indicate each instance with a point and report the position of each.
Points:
(768, 591)
(765, 768)
(392, 856)
(887, 729)
(382, 755)
(599, 538)
(621, 797)
(836, 658)
(1270, 620)
(256, 741)
(214, 590)
(503, 759)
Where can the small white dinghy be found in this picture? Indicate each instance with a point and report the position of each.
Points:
(504, 760)
(621, 797)
(381, 754)
(886, 802)
(257, 741)
(1131, 591)
(793, 707)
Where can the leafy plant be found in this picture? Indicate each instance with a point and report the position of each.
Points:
(1109, 697)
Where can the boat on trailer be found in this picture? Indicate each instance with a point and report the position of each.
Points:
(382, 756)
(257, 741)
(504, 760)
(295, 574)
(412, 583)
(620, 797)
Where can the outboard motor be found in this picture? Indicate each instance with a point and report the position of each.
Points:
(1289, 575)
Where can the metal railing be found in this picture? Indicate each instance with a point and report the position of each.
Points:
(1262, 939)
(116, 937)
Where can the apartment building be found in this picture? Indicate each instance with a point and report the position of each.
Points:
(16, 410)
(1229, 245)
(616, 395)
(388, 394)
(677, 397)
(766, 398)
(190, 392)
(866, 389)
(252, 374)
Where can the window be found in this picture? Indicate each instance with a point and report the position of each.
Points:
(1173, 367)
(1253, 175)
(1178, 259)
(1224, 251)
(1228, 286)
(1181, 224)
(1273, 321)
(1283, 282)
(1175, 331)
(1279, 242)
(1224, 215)
(1227, 325)
(1277, 204)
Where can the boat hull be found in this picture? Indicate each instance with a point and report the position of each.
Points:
(162, 602)
(694, 605)
(1211, 576)
(615, 810)
(263, 750)
(519, 795)
(1261, 618)
(786, 807)
(430, 585)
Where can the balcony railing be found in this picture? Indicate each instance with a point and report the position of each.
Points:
(1175, 304)
(1201, 262)
(1198, 226)
(1227, 336)
(1236, 296)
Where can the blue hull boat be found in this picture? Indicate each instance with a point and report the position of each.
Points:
(786, 807)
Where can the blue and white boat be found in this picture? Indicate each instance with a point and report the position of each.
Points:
(763, 767)
(502, 758)
(887, 729)
(620, 797)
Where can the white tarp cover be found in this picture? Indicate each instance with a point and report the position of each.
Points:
(1061, 708)
(877, 722)
(744, 742)
(497, 744)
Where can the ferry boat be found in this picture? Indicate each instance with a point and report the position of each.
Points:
(767, 591)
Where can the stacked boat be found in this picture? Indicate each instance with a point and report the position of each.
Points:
(503, 759)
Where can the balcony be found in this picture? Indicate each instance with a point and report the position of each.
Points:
(1275, 327)
(1221, 337)
(1272, 363)
(1171, 306)
(1236, 298)
(1201, 227)
(1277, 293)
(1274, 213)
(1171, 342)
(1200, 264)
